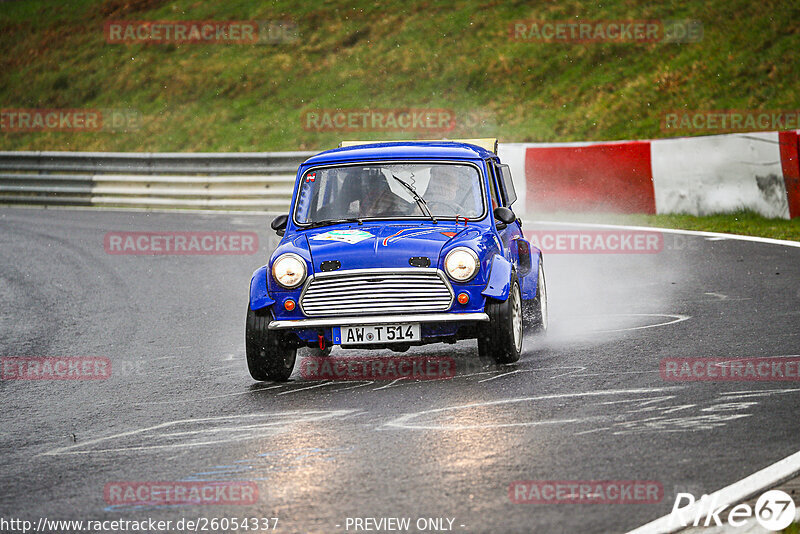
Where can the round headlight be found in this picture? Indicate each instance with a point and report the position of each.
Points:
(461, 264)
(289, 270)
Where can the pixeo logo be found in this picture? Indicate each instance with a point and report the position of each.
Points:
(774, 510)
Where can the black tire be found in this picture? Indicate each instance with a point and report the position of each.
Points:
(268, 358)
(501, 338)
(535, 311)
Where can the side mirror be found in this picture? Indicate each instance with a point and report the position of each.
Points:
(504, 217)
(279, 224)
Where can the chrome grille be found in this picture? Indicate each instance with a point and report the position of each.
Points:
(376, 291)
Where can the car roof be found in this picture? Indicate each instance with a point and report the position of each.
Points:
(401, 150)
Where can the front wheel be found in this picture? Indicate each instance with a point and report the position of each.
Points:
(501, 339)
(268, 358)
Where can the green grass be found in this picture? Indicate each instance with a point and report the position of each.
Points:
(357, 54)
(427, 54)
(743, 223)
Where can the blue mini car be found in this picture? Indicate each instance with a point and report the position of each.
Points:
(389, 245)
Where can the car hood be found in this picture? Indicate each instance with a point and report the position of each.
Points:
(370, 246)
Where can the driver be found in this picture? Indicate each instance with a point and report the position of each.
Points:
(447, 191)
(377, 198)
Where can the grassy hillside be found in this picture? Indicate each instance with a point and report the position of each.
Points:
(428, 54)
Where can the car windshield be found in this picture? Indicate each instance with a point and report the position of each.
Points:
(407, 190)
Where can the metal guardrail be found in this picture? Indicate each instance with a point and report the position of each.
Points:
(253, 180)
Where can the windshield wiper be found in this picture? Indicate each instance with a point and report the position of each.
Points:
(328, 222)
(420, 201)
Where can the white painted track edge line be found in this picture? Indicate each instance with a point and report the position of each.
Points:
(737, 492)
(700, 233)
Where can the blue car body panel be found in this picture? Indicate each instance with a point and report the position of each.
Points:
(259, 295)
(391, 243)
(499, 284)
(387, 241)
(432, 150)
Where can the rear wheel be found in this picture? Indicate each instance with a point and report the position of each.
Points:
(501, 339)
(268, 357)
(536, 313)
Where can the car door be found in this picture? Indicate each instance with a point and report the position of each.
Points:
(515, 248)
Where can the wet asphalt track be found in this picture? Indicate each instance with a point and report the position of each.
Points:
(586, 403)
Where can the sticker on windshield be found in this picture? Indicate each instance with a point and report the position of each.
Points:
(345, 236)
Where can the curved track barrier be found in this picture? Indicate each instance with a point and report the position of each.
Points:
(695, 175)
(251, 181)
(790, 166)
(613, 177)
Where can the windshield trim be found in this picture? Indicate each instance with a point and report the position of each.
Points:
(481, 180)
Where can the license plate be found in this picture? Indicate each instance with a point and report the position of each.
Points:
(379, 333)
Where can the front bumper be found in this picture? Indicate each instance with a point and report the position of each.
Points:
(377, 319)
